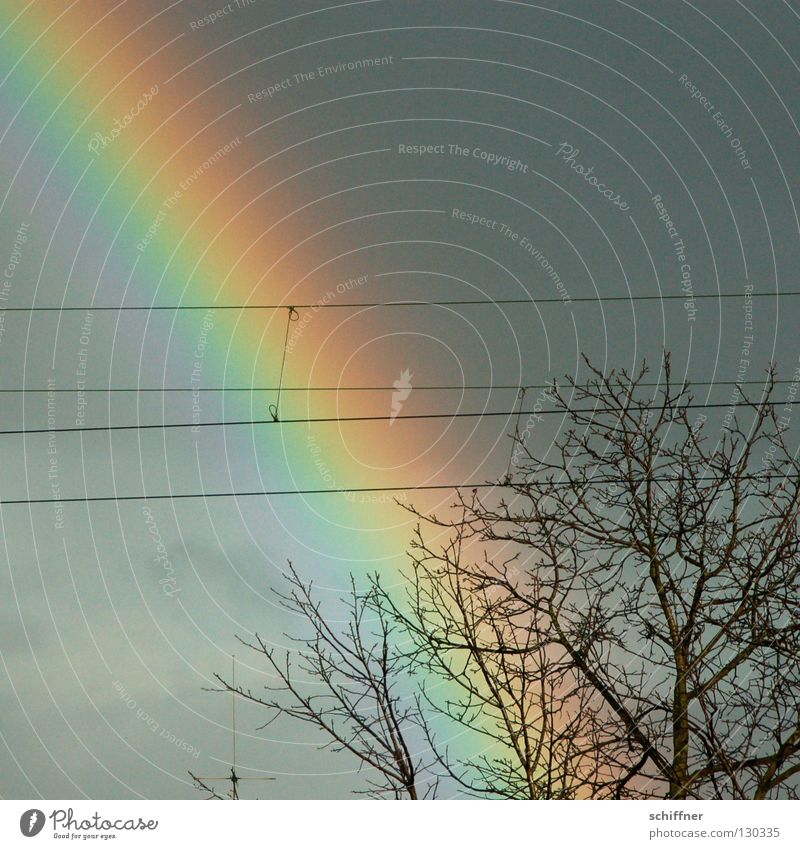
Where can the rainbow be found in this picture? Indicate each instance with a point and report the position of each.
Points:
(134, 154)
(173, 203)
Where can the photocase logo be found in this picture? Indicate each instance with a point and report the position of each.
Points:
(31, 822)
(402, 389)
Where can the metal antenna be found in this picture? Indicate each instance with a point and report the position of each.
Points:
(234, 793)
(234, 777)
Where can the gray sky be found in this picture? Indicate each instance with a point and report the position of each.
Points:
(105, 648)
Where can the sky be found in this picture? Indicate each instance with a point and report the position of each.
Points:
(608, 168)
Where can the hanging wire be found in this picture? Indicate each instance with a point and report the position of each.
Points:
(520, 398)
(762, 477)
(530, 301)
(274, 409)
(482, 414)
(22, 390)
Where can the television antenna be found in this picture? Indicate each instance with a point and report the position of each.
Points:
(233, 776)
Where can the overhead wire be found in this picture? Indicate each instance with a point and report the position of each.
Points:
(366, 418)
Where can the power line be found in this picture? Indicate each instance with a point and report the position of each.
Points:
(402, 304)
(274, 409)
(248, 494)
(310, 389)
(347, 419)
(344, 490)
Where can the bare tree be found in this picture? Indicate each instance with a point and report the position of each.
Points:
(488, 670)
(354, 695)
(665, 567)
(480, 670)
(616, 619)
(201, 784)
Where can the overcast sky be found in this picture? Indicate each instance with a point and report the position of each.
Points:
(555, 152)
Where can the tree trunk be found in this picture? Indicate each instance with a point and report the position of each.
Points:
(680, 731)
